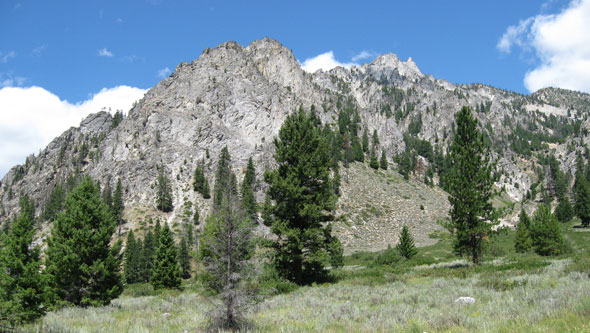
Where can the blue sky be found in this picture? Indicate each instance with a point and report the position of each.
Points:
(78, 52)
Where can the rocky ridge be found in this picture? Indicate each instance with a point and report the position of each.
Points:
(239, 96)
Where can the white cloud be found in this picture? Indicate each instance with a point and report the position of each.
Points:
(363, 55)
(105, 53)
(163, 72)
(324, 61)
(38, 51)
(31, 117)
(9, 81)
(5, 57)
(561, 43)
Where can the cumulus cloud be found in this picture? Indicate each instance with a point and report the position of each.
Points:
(31, 117)
(4, 57)
(324, 61)
(163, 72)
(561, 43)
(105, 53)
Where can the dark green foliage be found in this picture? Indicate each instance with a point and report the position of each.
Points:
(82, 266)
(133, 260)
(389, 257)
(117, 118)
(83, 152)
(471, 210)
(383, 161)
(365, 142)
(164, 192)
(165, 270)
(373, 162)
(199, 178)
(206, 192)
(223, 178)
(522, 239)
(415, 125)
(406, 247)
(22, 287)
(375, 139)
(248, 199)
(582, 194)
(118, 205)
(54, 203)
(267, 217)
(148, 253)
(546, 233)
(406, 164)
(301, 188)
(184, 259)
(564, 211)
(226, 247)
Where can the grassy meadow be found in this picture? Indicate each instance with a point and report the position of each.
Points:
(513, 293)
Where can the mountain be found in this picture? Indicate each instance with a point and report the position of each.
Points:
(239, 96)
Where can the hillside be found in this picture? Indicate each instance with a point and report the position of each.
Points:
(239, 96)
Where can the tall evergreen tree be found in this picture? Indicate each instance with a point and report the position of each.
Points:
(118, 205)
(164, 192)
(22, 287)
(54, 203)
(166, 271)
(546, 233)
(471, 211)
(522, 238)
(564, 211)
(82, 266)
(196, 217)
(199, 178)
(206, 192)
(248, 199)
(133, 260)
(406, 247)
(226, 246)
(302, 190)
(375, 139)
(148, 252)
(223, 178)
(365, 141)
(582, 194)
(383, 162)
(373, 162)
(184, 259)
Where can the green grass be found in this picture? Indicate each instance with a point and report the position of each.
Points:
(513, 292)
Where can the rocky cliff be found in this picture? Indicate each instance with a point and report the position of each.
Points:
(239, 96)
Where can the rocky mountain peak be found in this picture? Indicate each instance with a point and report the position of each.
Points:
(391, 63)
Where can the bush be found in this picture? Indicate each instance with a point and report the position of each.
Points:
(388, 257)
(546, 233)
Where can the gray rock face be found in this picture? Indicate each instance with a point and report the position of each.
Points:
(238, 97)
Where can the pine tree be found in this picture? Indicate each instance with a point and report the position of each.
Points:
(248, 199)
(225, 248)
(564, 211)
(199, 178)
(118, 205)
(302, 190)
(582, 194)
(546, 233)
(471, 211)
(365, 141)
(166, 271)
(132, 267)
(196, 216)
(375, 139)
(383, 162)
(206, 192)
(406, 247)
(82, 266)
(147, 257)
(54, 203)
(267, 211)
(184, 259)
(22, 287)
(223, 178)
(164, 192)
(522, 238)
(373, 162)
